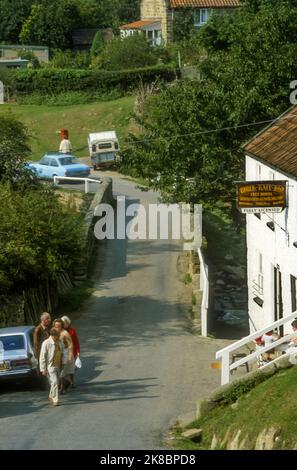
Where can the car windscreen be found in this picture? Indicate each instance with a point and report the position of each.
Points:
(67, 161)
(106, 145)
(12, 342)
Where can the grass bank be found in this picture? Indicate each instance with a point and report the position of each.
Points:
(271, 404)
(44, 122)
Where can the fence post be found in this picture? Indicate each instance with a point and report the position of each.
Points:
(86, 185)
(225, 364)
(1, 93)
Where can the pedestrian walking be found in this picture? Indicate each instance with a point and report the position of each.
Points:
(41, 333)
(51, 363)
(68, 367)
(75, 343)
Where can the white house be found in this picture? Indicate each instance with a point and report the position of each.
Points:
(272, 237)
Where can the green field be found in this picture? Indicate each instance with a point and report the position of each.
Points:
(44, 123)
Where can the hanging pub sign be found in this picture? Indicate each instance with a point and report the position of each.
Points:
(261, 196)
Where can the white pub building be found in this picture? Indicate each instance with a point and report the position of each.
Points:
(272, 236)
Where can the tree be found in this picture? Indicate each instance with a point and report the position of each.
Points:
(176, 154)
(98, 44)
(51, 24)
(40, 237)
(131, 52)
(250, 61)
(96, 14)
(14, 151)
(129, 10)
(13, 14)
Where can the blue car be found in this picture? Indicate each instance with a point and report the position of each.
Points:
(59, 164)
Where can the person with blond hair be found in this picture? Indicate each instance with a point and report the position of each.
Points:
(65, 338)
(75, 342)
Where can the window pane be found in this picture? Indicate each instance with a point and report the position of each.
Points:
(203, 16)
(12, 342)
(67, 161)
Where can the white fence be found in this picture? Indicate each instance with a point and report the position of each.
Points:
(227, 365)
(87, 181)
(204, 287)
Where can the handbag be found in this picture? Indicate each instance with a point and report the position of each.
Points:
(78, 363)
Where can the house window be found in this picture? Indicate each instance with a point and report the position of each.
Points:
(201, 16)
(293, 293)
(150, 35)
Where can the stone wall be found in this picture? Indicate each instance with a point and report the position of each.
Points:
(103, 195)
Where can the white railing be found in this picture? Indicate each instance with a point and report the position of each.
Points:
(224, 354)
(87, 181)
(204, 286)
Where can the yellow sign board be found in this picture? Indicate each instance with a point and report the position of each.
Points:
(261, 196)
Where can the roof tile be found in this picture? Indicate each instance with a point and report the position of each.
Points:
(277, 144)
(204, 3)
(139, 24)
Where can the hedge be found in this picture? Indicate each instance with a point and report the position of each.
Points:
(54, 81)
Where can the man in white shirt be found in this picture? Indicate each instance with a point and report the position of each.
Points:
(65, 146)
(51, 363)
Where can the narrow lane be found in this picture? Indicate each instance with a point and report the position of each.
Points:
(141, 364)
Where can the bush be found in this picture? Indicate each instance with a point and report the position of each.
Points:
(97, 44)
(40, 238)
(47, 81)
(241, 387)
(69, 60)
(131, 52)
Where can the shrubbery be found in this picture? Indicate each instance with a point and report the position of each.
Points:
(40, 237)
(47, 81)
(129, 53)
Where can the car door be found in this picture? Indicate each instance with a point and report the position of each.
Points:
(44, 168)
(55, 168)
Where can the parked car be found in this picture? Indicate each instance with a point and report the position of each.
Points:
(17, 360)
(59, 164)
(103, 148)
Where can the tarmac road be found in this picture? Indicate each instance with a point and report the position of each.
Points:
(142, 367)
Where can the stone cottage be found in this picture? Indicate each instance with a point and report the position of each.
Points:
(157, 16)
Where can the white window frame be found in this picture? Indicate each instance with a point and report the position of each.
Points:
(198, 14)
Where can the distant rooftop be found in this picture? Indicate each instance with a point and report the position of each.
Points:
(204, 3)
(139, 24)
